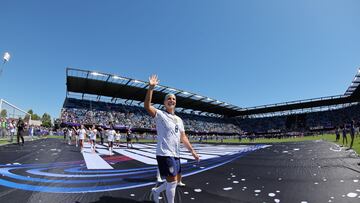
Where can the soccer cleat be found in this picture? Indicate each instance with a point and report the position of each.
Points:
(181, 184)
(155, 195)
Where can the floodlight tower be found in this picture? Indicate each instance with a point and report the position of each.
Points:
(6, 58)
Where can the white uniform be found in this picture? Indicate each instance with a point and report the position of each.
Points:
(169, 128)
(70, 133)
(12, 128)
(110, 135)
(93, 134)
(117, 137)
(82, 133)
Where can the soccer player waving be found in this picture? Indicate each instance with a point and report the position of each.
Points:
(170, 131)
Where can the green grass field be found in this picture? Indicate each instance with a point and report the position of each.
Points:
(3, 142)
(6, 141)
(326, 137)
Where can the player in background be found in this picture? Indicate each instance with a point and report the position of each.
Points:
(69, 135)
(128, 138)
(117, 138)
(352, 134)
(12, 127)
(344, 141)
(92, 137)
(82, 135)
(76, 132)
(110, 137)
(65, 130)
(20, 131)
(337, 133)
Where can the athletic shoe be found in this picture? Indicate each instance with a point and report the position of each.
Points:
(181, 184)
(155, 195)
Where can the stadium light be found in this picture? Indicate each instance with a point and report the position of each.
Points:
(185, 93)
(97, 74)
(209, 99)
(198, 96)
(137, 81)
(6, 58)
(118, 78)
(171, 89)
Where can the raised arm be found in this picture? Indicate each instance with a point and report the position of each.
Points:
(153, 81)
(184, 139)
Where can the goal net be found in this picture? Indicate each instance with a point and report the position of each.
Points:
(10, 111)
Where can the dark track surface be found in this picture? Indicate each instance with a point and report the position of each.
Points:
(314, 171)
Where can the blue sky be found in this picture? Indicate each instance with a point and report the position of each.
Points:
(246, 53)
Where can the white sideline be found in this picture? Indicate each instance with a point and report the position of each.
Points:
(94, 161)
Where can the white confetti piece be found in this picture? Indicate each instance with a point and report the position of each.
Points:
(352, 194)
(197, 190)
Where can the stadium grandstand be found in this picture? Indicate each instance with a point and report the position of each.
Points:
(99, 98)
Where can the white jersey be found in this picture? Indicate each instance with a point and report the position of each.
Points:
(117, 136)
(92, 134)
(82, 133)
(110, 135)
(69, 133)
(169, 128)
(12, 128)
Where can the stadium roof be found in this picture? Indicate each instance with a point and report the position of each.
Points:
(103, 84)
(351, 95)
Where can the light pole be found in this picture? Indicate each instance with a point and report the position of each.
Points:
(6, 58)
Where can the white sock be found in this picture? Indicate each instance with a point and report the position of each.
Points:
(158, 177)
(170, 191)
(161, 188)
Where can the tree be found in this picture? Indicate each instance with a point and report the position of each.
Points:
(34, 116)
(46, 120)
(3, 113)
